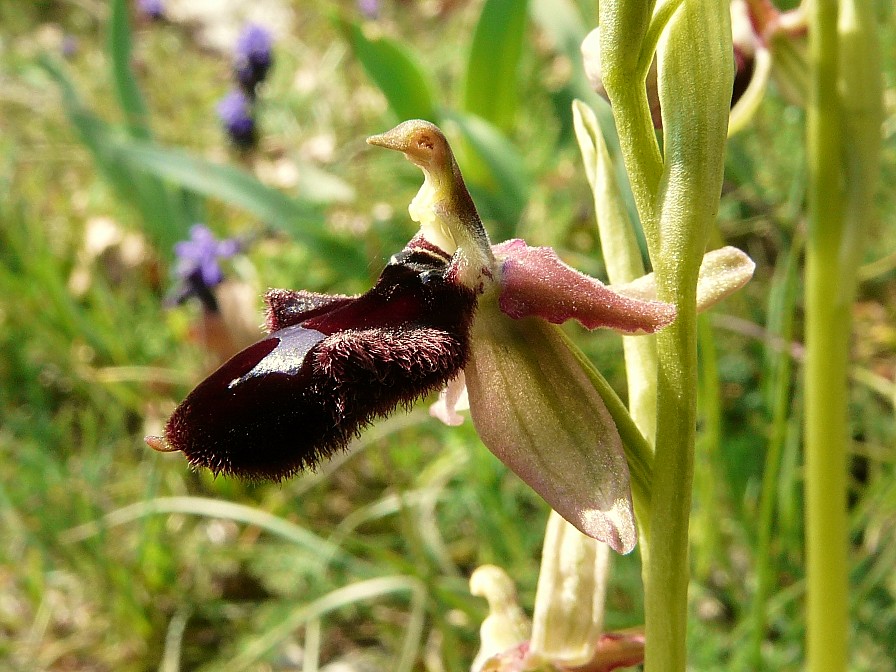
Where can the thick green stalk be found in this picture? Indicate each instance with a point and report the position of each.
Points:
(677, 197)
(695, 79)
(843, 143)
(826, 357)
(827, 343)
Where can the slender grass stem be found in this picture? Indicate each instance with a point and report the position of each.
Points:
(827, 345)
(843, 114)
(780, 365)
(826, 353)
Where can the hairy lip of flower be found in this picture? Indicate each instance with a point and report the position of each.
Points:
(330, 365)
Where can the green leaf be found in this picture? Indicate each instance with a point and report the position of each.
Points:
(494, 169)
(163, 220)
(301, 218)
(394, 69)
(492, 82)
(126, 90)
(165, 205)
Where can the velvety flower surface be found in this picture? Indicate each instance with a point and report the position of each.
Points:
(330, 365)
(452, 310)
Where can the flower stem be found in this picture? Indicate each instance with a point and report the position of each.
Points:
(844, 111)
(677, 194)
(623, 28)
(695, 78)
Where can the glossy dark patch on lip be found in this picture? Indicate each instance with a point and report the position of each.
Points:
(331, 365)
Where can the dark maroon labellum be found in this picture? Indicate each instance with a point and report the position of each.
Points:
(330, 365)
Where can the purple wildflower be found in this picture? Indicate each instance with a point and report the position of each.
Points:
(197, 265)
(154, 9)
(69, 46)
(252, 57)
(235, 112)
(370, 9)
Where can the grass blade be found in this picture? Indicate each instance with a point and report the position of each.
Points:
(395, 70)
(301, 218)
(492, 82)
(128, 93)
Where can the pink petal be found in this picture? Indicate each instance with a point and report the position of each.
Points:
(535, 282)
(536, 410)
(615, 651)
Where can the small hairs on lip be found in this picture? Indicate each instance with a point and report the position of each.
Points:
(331, 366)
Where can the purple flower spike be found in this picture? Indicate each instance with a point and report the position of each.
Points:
(236, 114)
(370, 9)
(154, 9)
(197, 265)
(200, 255)
(252, 57)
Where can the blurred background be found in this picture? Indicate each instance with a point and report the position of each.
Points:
(164, 162)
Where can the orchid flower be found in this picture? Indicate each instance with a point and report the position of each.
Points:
(566, 632)
(448, 309)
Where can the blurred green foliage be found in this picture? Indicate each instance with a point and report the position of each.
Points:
(115, 557)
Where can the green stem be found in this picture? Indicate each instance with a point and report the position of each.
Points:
(677, 198)
(623, 27)
(695, 79)
(826, 357)
(843, 114)
(827, 346)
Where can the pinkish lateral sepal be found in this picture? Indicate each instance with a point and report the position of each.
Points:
(535, 282)
(536, 409)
